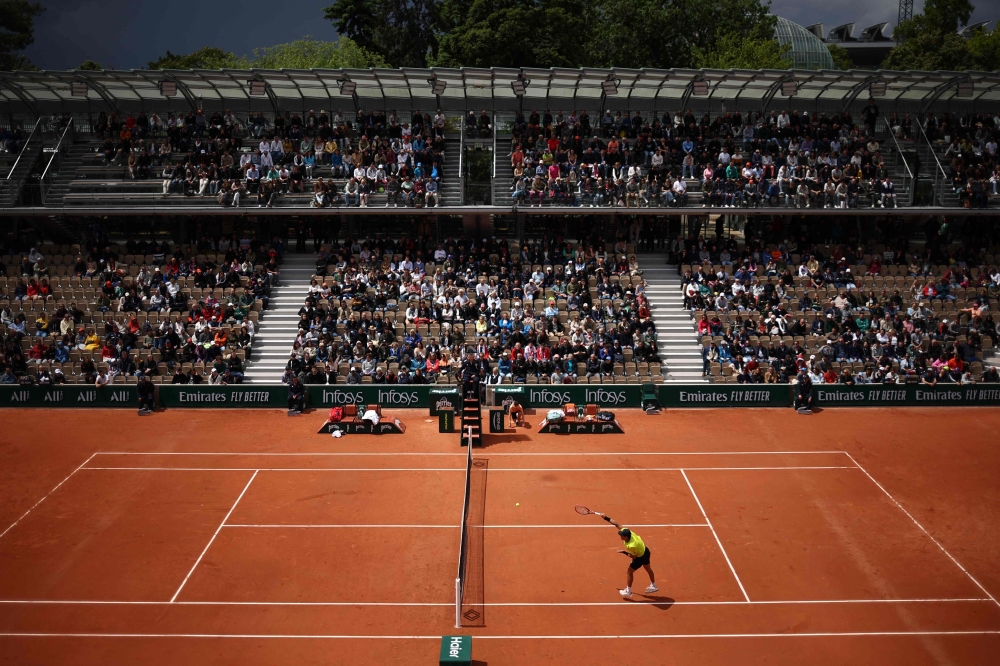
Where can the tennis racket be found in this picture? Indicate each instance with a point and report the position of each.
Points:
(584, 511)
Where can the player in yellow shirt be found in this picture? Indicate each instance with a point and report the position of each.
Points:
(637, 550)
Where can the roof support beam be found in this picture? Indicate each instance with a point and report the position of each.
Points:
(773, 90)
(933, 96)
(256, 76)
(21, 94)
(857, 90)
(99, 88)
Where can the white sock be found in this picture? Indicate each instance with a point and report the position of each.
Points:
(628, 589)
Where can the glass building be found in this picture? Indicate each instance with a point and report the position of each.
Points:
(807, 50)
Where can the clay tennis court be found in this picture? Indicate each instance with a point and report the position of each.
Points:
(852, 536)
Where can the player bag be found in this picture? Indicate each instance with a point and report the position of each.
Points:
(605, 416)
(336, 414)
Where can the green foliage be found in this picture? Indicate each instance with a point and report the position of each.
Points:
(208, 57)
(402, 33)
(841, 58)
(929, 40)
(91, 66)
(311, 54)
(734, 51)
(301, 54)
(17, 32)
(493, 33)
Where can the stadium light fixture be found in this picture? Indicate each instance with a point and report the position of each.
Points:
(789, 88)
(347, 87)
(520, 85)
(965, 89)
(878, 89)
(168, 88)
(437, 86)
(258, 88)
(78, 89)
(699, 88)
(610, 87)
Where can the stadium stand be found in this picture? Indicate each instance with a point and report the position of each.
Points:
(887, 313)
(274, 160)
(780, 159)
(174, 313)
(385, 312)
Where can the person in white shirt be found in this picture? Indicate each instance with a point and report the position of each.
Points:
(680, 191)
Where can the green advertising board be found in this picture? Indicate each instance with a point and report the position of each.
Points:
(456, 650)
(386, 395)
(605, 395)
(444, 398)
(906, 395)
(724, 395)
(69, 395)
(232, 395)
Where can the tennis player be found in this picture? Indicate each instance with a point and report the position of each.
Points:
(637, 550)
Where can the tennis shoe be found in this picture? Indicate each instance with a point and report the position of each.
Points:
(627, 592)
(652, 588)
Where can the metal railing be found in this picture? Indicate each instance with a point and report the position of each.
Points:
(940, 176)
(11, 186)
(56, 160)
(909, 180)
(461, 165)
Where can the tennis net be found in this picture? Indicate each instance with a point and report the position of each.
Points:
(463, 551)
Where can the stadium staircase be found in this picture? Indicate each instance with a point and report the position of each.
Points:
(676, 338)
(272, 345)
(472, 416)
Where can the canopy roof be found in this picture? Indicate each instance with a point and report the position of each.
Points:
(476, 89)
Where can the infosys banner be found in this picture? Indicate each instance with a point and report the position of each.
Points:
(542, 395)
(386, 396)
(237, 395)
(905, 395)
(68, 395)
(725, 395)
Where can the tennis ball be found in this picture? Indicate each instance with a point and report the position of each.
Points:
(518, 504)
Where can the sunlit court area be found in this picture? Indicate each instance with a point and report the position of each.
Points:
(509, 333)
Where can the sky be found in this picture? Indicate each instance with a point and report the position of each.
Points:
(123, 34)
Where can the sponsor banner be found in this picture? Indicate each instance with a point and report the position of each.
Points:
(724, 395)
(496, 420)
(69, 395)
(584, 427)
(443, 398)
(905, 395)
(233, 395)
(611, 395)
(381, 394)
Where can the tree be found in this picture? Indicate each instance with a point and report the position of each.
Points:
(929, 40)
(671, 33)
(734, 51)
(311, 54)
(492, 33)
(207, 57)
(17, 32)
(91, 66)
(402, 33)
(841, 58)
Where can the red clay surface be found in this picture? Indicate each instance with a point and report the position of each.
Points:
(320, 559)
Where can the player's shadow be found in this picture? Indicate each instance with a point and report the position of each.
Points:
(491, 440)
(663, 603)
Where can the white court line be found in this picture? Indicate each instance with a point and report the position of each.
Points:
(924, 530)
(455, 527)
(231, 453)
(461, 469)
(619, 604)
(717, 540)
(46, 495)
(287, 469)
(844, 634)
(209, 544)
(463, 455)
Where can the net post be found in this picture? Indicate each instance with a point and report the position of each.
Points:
(458, 603)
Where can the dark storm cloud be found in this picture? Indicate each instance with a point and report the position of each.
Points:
(127, 35)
